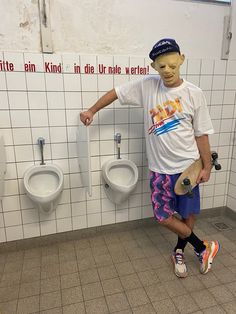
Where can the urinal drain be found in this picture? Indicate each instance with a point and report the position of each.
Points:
(106, 186)
(221, 226)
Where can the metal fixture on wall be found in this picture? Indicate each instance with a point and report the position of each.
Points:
(45, 26)
(227, 35)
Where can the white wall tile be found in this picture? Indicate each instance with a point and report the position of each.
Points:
(105, 82)
(35, 81)
(10, 156)
(39, 118)
(37, 100)
(54, 82)
(89, 82)
(24, 153)
(206, 82)
(11, 203)
(108, 218)
(31, 230)
(30, 216)
(229, 97)
(207, 67)
(230, 83)
(218, 82)
(35, 59)
(58, 134)
(64, 224)
(220, 67)
(231, 67)
(20, 118)
(79, 222)
(11, 187)
(14, 233)
(5, 119)
(194, 66)
(22, 136)
(48, 227)
(12, 218)
(72, 82)
(57, 117)
(3, 85)
(4, 103)
(73, 100)
(16, 81)
(94, 220)
(55, 100)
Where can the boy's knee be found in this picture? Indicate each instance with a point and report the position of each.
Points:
(166, 222)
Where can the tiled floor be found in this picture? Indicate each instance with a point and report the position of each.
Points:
(121, 271)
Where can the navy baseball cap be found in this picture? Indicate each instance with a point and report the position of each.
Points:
(164, 45)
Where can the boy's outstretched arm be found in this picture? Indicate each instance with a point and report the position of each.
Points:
(205, 153)
(87, 116)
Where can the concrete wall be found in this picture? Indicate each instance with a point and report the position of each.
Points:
(128, 27)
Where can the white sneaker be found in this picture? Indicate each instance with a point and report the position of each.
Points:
(180, 268)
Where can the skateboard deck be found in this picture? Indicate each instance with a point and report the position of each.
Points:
(191, 173)
(187, 180)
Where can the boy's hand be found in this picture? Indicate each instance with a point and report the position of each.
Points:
(204, 175)
(86, 117)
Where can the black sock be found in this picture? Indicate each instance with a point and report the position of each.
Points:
(196, 243)
(181, 244)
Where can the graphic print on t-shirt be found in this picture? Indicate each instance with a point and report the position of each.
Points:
(166, 117)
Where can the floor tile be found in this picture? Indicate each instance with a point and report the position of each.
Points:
(204, 299)
(185, 304)
(71, 295)
(111, 286)
(117, 302)
(137, 297)
(76, 308)
(50, 300)
(166, 306)
(96, 306)
(92, 291)
(121, 271)
(28, 305)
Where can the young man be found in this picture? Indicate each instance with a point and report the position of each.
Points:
(177, 125)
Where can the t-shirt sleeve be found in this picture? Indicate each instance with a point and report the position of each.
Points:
(130, 93)
(202, 123)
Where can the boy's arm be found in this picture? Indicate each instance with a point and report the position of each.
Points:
(87, 116)
(205, 153)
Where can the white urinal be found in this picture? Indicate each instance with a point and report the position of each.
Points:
(120, 177)
(43, 184)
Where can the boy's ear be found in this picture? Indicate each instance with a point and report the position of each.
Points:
(182, 58)
(153, 65)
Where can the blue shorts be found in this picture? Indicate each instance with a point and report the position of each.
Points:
(164, 200)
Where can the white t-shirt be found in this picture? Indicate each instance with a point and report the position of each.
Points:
(172, 119)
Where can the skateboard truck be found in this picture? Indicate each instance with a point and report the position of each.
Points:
(187, 185)
(215, 163)
(186, 182)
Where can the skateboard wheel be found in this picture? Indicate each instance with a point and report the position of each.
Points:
(214, 155)
(218, 167)
(186, 181)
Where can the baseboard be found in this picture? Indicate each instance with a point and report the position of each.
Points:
(90, 232)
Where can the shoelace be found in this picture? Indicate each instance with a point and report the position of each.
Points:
(179, 258)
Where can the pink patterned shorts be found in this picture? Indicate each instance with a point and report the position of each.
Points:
(164, 200)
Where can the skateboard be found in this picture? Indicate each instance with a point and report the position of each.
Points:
(187, 180)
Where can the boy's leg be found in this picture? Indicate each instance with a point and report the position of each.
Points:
(164, 205)
(205, 250)
(182, 242)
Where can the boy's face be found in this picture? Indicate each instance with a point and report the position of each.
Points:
(168, 66)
